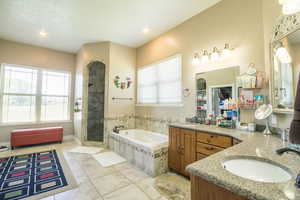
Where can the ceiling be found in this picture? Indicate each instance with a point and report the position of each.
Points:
(71, 23)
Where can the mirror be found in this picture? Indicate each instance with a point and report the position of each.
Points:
(214, 89)
(285, 59)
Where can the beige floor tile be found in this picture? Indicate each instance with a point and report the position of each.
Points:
(123, 166)
(94, 170)
(48, 198)
(148, 186)
(134, 174)
(85, 191)
(110, 183)
(130, 192)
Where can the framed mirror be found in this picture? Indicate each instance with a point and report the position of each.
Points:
(213, 88)
(285, 60)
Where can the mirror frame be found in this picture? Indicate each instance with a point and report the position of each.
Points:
(285, 25)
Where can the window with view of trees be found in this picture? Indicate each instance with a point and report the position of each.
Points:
(32, 94)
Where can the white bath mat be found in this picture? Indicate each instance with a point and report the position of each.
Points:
(107, 159)
(88, 150)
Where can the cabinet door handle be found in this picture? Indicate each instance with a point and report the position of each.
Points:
(209, 148)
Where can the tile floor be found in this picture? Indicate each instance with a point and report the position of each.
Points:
(118, 182)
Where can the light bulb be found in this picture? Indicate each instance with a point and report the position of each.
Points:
(43, 33)
(226, 51)
(215, 54)
(205, 57)
(283, 55)
(196, 59)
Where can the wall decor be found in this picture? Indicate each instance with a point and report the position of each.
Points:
(122, 84)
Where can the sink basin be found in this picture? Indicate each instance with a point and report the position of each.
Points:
(257, 169)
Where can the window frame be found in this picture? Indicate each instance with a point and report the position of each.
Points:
(158, 103)
(38, 95)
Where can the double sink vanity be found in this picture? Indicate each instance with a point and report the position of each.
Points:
(232, 164)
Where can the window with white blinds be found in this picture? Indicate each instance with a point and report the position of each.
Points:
(30, 94)
(160, 83)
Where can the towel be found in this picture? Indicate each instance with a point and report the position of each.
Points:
(295, 125)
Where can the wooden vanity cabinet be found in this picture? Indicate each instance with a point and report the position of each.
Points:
(182, 149)
(188, 146)
(204, 190)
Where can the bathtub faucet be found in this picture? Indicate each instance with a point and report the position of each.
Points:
(116, 129)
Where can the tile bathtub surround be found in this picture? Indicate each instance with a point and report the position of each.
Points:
(158, 125)
(254, 145)
(119, 182)
(153, 162)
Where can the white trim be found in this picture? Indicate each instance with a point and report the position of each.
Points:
(35, 123)
(38, 95)
(159, 105)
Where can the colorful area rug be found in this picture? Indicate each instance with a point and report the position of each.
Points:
(32, 175)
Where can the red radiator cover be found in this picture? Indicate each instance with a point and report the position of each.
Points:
(22, 137)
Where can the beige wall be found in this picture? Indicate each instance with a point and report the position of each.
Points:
(119, 60)
(236, 22)
(23, 54)
(123, 64)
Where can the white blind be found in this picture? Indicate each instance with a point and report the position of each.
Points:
(160, 83)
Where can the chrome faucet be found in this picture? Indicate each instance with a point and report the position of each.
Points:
(116, 129)
(287, 149)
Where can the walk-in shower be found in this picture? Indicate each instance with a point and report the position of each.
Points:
(96, 93)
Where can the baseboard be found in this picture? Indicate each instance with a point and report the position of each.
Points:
(77, 140)
(68, 138)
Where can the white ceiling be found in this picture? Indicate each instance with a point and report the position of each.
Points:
(71, 23)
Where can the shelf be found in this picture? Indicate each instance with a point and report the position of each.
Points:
(251, 88)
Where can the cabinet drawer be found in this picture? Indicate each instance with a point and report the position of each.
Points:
(200, 156)
(214, 139)
(207, 149)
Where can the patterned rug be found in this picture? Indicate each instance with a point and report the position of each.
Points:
(24, 176)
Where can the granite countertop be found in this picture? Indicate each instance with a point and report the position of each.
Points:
(253, 144)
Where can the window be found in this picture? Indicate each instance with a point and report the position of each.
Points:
(160, 83)
(32, 95)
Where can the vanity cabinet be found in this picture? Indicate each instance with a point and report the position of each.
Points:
(182, 149)
(203, 190)
(188, 146)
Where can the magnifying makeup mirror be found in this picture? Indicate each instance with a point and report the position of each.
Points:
(263, 113)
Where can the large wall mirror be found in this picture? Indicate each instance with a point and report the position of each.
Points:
(285, 59)
(214, 87)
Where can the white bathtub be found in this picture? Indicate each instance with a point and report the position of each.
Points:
(146, 150)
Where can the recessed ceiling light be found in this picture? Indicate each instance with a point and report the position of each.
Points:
(146, 30)
(43, 33)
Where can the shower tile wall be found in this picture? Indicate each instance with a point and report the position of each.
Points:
(96, 89)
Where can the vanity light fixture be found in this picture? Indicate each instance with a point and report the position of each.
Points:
(215, 54)
(196, 59)
(226, 51)
(205, 57)
(290, 7)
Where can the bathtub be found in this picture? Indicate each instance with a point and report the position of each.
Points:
(145, 149)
